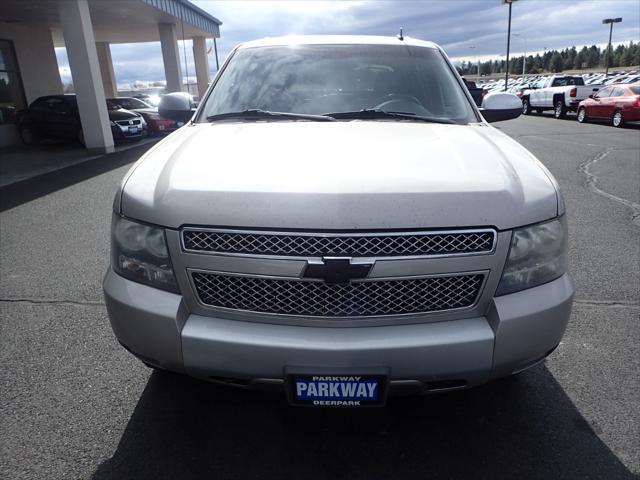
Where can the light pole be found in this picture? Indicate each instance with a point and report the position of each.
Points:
(609, 21)
(506, 78)
(524, 58)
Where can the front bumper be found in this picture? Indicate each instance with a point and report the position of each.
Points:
(121, 133)
(517, 331)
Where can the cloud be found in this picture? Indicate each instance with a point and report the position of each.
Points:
(457, 25)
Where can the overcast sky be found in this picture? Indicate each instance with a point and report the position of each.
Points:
(456, 25)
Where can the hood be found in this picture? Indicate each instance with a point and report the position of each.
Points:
(121, 114)
(145, 110)
(339, 175)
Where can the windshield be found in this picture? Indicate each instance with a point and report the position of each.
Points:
(324, 79)
(130, 103)
(563, 82)
(112, 105)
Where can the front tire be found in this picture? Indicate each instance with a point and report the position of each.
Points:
(80, 137)
(526, 107)
(559, 109)
(27, 136)
(617, 120)
(582, 115)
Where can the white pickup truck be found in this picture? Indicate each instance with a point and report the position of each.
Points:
(560, 93)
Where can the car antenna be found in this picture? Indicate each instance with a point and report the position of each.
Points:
(400, 37)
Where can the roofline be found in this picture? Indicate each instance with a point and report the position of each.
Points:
(193, 6)
(184, 10)
(336, 40)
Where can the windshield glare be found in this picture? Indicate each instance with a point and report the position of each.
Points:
(322, 79)
(130, 103)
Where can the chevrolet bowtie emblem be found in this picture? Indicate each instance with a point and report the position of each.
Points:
(337, 270)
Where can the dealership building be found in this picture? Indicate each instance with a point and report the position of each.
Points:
(31, 29)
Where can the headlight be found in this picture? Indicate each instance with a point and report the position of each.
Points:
(538, 254)
(139, 253)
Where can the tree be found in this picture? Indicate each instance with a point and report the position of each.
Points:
(559, 60)
(581, 58)
(556, 64)
(570, 60)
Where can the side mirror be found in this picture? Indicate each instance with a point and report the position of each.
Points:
(500, 106)
(591, 96)
(176, 106)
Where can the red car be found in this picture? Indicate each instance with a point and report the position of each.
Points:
(615, 103)
(156, 124)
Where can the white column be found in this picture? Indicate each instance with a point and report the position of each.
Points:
(202, 64)
(170, 56)
(106, 69)
(83, 60)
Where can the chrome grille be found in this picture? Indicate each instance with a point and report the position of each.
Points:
(126, 123)
(348, 245)
(320, 299)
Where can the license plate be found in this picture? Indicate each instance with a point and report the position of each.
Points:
(133, 129)
(342, 390)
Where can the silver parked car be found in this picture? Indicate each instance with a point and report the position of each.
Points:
(339, 221)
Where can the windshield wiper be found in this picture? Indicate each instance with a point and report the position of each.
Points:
(255, 113)
(372, 113)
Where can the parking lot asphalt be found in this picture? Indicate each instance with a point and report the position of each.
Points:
(74, 404)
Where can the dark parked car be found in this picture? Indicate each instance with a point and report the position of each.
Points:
(156, 124)
(477, 93)
(614, 103)
(56, 117)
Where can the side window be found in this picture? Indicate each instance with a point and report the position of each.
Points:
(57, 105)
(617, 92)
(39, 104)
(604, 93)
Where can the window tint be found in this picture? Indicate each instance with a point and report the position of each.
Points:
(39, 103)
(318, 79)
(564, 81)
(11, 91)
(604, 93)
(129, 103)
(50, 104)
(113, 105)
(57, 105)
(618, 92)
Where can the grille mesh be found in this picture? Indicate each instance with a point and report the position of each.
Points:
(338, 245)
(356, 299)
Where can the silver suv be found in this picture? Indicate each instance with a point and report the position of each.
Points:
(338, 221)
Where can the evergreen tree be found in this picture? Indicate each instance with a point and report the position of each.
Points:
(556, 63)
(558, 60)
